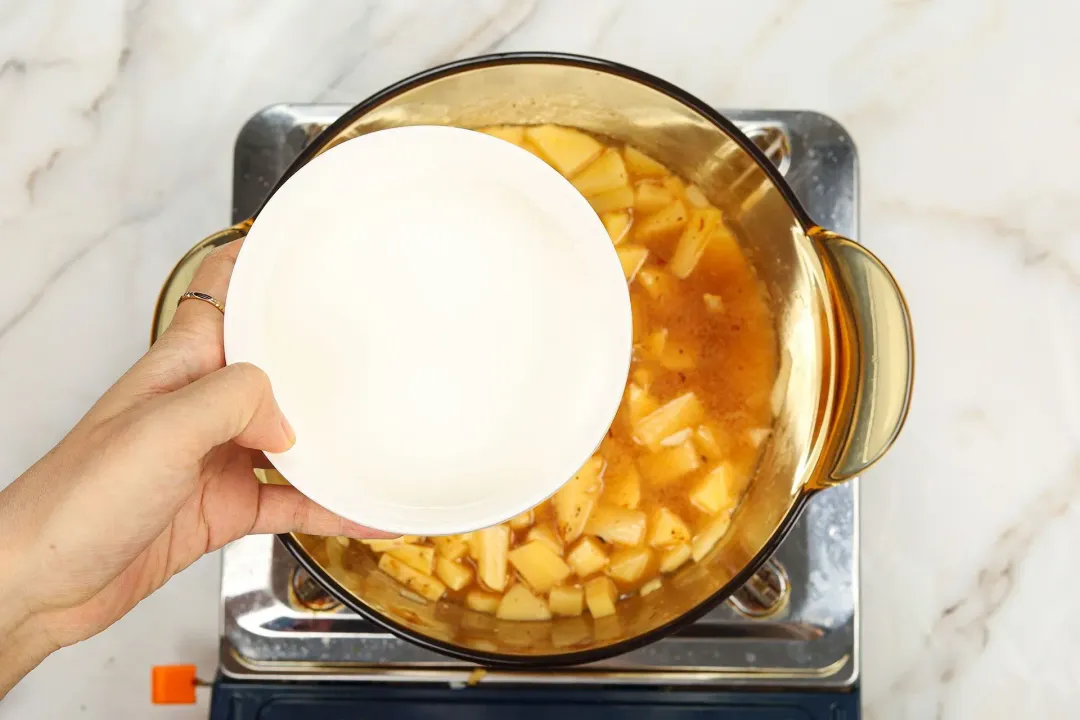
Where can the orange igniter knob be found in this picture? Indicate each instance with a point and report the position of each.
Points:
(173, 685)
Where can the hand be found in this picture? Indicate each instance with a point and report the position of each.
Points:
(159, 472)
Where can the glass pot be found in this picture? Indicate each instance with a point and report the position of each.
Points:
(843, 327)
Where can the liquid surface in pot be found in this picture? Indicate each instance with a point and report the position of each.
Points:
(662, 487)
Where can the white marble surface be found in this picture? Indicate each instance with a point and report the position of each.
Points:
(116, 131)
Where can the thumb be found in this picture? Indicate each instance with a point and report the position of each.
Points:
(234, 403)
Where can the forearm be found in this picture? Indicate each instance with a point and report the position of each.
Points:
(23, 645)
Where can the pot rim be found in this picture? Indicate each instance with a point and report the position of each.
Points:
(506, 660)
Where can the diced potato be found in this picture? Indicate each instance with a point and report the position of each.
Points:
(418, 557)
(695, 236)
(713, 303)
(421, 584)
(454, 575)
(567, 150)
(522, 521)
(695, 197)
(649, 197)
(656, 342)
(616, 223)
(666, 529)
(655, 282)
(639, 404)
(673, 559)
(603, 174)
(641, 164)
(612, 200)
(544, 534)
(587, 558)
(718, 491)
(675, 186)
(632, 257)
(510, 133)
(381, 546)
(677, 439)
(666, 221)
(710, 441)
(756, 436)
(670, 464)
(623, 490)
(481, 601)
(600, 596)
(494, 545)
(706, 540)
(520, 604)
(575, 500)
(650, 587)
(566, 601)
(617, 525)
(682, 412)
(472, 540)
(643, 376)
(451, 547)
(540, 567)
(628, 565)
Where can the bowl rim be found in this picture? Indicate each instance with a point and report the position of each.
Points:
(577, 657)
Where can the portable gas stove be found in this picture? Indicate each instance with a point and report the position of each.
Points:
(785, 646)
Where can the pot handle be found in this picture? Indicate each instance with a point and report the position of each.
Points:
(876, 354)
(177, 281)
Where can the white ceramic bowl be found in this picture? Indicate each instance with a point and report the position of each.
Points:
(445, 323)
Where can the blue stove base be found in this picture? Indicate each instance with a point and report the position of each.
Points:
(240, 700)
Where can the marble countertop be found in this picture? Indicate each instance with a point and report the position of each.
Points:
(116, 129)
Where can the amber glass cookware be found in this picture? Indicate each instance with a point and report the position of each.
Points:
(844, 332)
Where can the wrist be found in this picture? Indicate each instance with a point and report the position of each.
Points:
(26, 643)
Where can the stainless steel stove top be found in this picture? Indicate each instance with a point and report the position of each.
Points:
(795, 624)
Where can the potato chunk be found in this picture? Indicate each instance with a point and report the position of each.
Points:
(650, 197)
(612, 200)
(666, 221)
(650, 587)
(574, 502)
(600, 596)
(672, 559)
(510, 133)
(493, 547)
(566, 601)
(682, 412)
(520, 604)
(632, 257)
(641, 164)
(418, 557)
(587, 558)
(695, 236)
(617, 223)
(522, 521)
(566, 149)
(639, 403)
(544, 534)
(670, 464)
(381, 546)
(655, 282)
(421, 584)
(717, 492)
(623, 490)
(603, 174)
(628, 565)
(540, 567)
(481, 601)
(711, 534)
(451, 547)
(617, 525)
(454, 574)
(667, 529)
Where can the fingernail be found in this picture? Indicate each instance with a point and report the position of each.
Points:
(290, 434)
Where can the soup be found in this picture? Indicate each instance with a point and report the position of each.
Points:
(661, 489)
